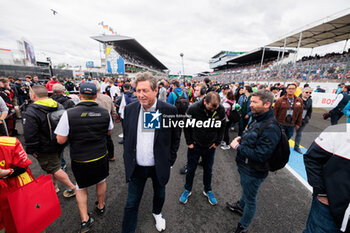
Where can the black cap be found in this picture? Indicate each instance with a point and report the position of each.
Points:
(226, 86)
(87, 88)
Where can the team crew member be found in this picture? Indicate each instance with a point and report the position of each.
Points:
(327, 164)
(147, 154)
(203, 142)
(86, 127)
(14, 173)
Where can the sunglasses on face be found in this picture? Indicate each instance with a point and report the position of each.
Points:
(308, 92)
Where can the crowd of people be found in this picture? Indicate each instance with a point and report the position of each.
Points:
(54, 119)
(313, 68)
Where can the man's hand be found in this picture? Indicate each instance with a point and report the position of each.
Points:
(297, 127)
(246, 117)
(4, 172)
(35, 155)
(212, 146)
(191, 146)
(323, 200)
(235, 142)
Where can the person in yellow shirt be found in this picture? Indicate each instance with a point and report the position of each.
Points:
(298, 91)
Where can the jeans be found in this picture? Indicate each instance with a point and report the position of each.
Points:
(320, 219)
(242, 124)
(298, 135)
(250, 187)
(289, 130)
(192, 162)
(226, 134)
(135, 191)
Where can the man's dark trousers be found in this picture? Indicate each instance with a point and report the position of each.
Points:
(192, 162)
(110, 147)
(135, 191)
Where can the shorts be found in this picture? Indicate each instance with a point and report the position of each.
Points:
(50, 162)
(90, 173)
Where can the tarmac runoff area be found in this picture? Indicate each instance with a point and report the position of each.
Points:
(284, 198)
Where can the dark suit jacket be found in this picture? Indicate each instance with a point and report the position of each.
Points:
(166, 141)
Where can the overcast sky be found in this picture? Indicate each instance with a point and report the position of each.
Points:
(197, 28)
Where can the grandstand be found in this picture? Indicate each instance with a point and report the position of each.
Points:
(333, 66)
(127, 56)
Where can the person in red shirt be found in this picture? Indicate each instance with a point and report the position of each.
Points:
(14, 173)
(50, 83)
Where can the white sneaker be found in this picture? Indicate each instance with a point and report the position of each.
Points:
(226, 147)
(121, 135)
(160, 222)
(223, 143)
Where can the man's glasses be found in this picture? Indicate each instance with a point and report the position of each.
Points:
(308, 92)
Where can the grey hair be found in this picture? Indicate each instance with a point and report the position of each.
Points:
(58, 88)
(265, 96)
(146, 76)
(97, 84)
(307, 89)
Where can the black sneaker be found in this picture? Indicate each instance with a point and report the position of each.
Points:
(86, 226)
(100, 212)
(240, 229)
(297, 149)
(121, 141)
(183, 170)
(235, 208)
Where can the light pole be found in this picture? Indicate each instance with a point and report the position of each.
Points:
(182, 59)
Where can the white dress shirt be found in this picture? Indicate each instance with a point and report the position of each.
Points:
(145, 141)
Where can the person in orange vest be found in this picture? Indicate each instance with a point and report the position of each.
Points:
(14, 173)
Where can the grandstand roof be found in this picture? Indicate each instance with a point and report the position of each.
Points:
(133, 47)
(255, 55)
(227, 52)
(326, 31)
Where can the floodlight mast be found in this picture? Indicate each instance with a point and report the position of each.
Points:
(182, 60)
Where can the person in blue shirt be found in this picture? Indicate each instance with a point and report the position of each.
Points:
(172, 96)
(346, 111)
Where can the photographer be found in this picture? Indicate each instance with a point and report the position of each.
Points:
(288, 111)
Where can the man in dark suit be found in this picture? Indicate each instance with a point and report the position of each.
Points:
(148, 153)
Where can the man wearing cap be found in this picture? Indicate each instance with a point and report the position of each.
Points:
(319, 89)
(223, 93)
(86, 127)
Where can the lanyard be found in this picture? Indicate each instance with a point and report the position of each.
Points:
(291, 102)
(212, 115)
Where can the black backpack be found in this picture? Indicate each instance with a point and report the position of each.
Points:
(234, 115)
(181, 103)
(280, 155)
(52, 119)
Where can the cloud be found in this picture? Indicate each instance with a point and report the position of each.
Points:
(199, 29)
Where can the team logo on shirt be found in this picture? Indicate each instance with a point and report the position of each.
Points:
(152, 120)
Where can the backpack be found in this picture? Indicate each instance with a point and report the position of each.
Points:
(233, 115)
(181, 103)
(280, 156)
(52, 119)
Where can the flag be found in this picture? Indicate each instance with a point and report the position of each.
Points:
(105, 26)
(100, 23)
(111, 30)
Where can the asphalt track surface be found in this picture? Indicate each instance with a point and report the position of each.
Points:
(283, 202)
